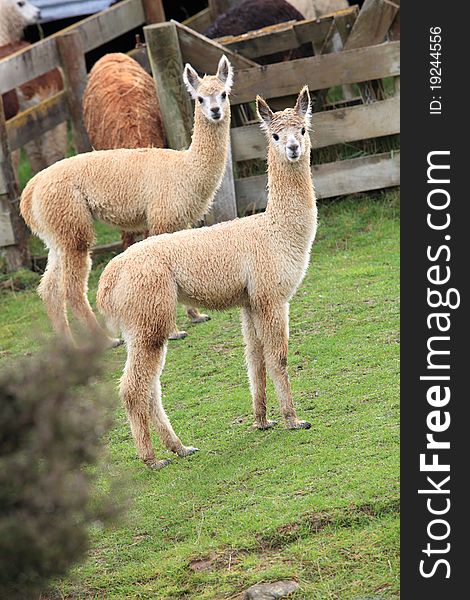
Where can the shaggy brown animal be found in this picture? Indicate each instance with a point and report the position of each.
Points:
(256, 14)
(256, 263)
(121, 109)
(120, 106)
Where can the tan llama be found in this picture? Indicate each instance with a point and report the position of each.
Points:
(153, 189)
(255, 263)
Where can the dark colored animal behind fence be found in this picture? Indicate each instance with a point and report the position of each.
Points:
(256, 14)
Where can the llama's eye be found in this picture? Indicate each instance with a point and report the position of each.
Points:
(275, 137)
(302, 131)
(20, 4)
(223, 95)
(200, 99)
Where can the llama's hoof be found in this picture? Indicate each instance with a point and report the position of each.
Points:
(298, 424)
(115, 342)
(186, 451)
(155, 465)
(265, 425)
(200, 319)
(178, 335)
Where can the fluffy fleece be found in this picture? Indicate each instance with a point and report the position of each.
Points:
(153, 189)
(255, 263)
(121, 109)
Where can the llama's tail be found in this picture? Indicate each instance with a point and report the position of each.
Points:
(105, 296)
(26, 204)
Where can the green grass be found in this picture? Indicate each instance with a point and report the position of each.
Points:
(320, 506)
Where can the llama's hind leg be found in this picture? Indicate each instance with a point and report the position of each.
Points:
(256, 366)
(160, 419)
(52, 293)
(272, 326)
(75, 267)
(196, 316)
(135, 390)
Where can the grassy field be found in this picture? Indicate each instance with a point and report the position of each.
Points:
(320, 506)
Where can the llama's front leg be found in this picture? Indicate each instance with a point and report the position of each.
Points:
(272, 326)
(256, 367)
(160, 419)
(135, 391)
(196, 316)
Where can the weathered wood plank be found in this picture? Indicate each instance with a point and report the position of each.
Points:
(372, 24)
(285, 36)
(263, 42)
(154, 11)
(334, 42)
(35, 121)
(318, 72)
(329, 127)
(167, 68)
(140, 55)
(7, 237)
(331, 179)
(371, 27)
(95, 31)
(224, 207)
(72, 59)
(200, 21)
(16, 254)
(203, 53)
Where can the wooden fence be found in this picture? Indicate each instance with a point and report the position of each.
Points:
(353, 50)
(66, 50)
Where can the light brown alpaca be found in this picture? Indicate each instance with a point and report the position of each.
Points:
(255, 263)
(152, 188)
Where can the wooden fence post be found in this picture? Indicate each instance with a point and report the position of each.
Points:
(13, 232)
(225, 202)
(154, 11)
(72, 58)
(167, 69)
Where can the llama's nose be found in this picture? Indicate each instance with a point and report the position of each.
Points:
(293, 148)
(215, 110)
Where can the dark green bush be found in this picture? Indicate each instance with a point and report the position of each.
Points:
(51, 428)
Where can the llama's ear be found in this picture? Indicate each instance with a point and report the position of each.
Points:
(225, 72)
(191, 79)
(265, 114)
(303, 106)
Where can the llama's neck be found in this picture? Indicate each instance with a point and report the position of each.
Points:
(11, 28)
(291, 208)
(207, 158)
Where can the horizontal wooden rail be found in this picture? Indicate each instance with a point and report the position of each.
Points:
(95, 30)
(318, 72)
(284, 36)
(331, 179)
(35, 121)
(329, 127)
(204, 54)
(200, 21)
